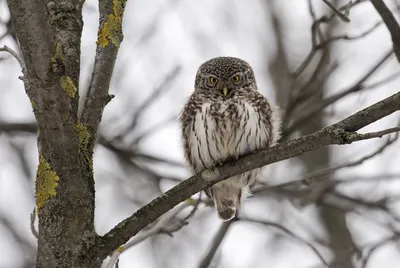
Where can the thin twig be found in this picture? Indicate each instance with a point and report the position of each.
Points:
(215, 243)
(313, 179)
(378, 134)
(391, 23)
(351, 37)
(157, 228)
(15, 55)
(33, 229)
(153, 129)
(183, 222)
(383, 81)
(289, 233)
(157, 92)
(19, 59)
(343, 16)
(106, 55)
(359, 85)
(375, 247)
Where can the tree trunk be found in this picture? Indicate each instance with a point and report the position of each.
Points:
(49, 34)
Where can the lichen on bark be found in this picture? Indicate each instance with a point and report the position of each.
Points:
(46, 183)
(84, 138)
(58, 60)
(83, 134)
(68, 86)
(112, 27)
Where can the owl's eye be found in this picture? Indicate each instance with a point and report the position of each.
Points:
(236, 78)
(213, 80)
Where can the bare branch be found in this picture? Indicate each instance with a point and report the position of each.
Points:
(289, 233)
(160, 89)
(378, 134)
(32, 223)
(15, 55)
(383, 81)
(342, 132)
(343, 16)
(215, 243)
(154, 129)
(315, 32)
(313, 179)
(106, 55)
(156, 229)
(359, 85)
(349, 37)
(18, 127)
(391, 24)
(376, 246)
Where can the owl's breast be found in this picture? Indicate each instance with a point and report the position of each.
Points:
(238, 128)
(221, 131)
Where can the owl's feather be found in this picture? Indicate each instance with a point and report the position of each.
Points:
(216, 128)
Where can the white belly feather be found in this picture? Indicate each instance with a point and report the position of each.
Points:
(214, 141)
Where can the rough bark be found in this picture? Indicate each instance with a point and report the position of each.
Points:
(49, 37)
(49, 33)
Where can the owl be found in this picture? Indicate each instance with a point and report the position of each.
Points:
(224, 118)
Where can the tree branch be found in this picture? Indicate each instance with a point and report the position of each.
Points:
(16, 56)
(342, 132)
(391, 24)
(301, 118)
(49, 35)
(289, 233)
(343, 16)
(216, 242)
(156, 229)
(109, 39)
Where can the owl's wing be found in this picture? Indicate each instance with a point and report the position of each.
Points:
(270, 117)
(187, 120)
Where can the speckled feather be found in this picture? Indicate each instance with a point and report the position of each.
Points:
(216, 128)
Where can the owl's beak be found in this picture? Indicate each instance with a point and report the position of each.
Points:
(225, 91)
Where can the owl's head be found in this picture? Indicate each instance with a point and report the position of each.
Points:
(225, 76)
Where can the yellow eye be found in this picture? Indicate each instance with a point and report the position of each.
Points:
(236, 78)
(213, 80)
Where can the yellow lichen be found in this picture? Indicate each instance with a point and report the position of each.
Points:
(118, 7)
(58, 59)
(33, 105)
(121, 249)
(191, 201)
(84, 137)
(83, 134)
(59, 52)
(112, 27)
(68, 85)
(66, 116)
(46, 183)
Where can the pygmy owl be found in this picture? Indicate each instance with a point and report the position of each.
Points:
(224, 118)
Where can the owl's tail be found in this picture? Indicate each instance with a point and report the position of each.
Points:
(227, 200)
